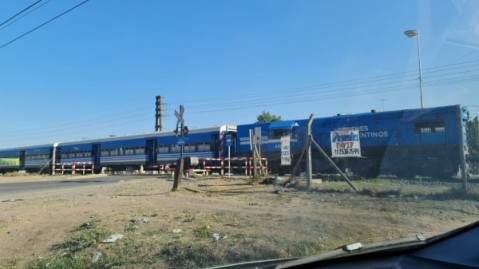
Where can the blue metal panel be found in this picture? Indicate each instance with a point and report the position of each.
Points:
(76, 147)
(39, 150)
(124, 159)
(139, 142)
(172, 157)
(77, 160)
(36, 163)
(10, 153)
(281, 125)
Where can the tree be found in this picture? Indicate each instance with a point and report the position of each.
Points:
(265, 116)
(473, 141)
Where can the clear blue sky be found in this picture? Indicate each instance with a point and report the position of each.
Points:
(96, 71)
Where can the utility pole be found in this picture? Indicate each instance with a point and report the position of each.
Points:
(309, 165)
(159, 114)
(382, 103)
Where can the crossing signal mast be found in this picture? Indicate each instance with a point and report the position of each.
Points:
(183, 130)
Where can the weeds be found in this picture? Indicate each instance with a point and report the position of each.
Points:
(74, 252)
(202, 232)
(242, 237)
(8, 263)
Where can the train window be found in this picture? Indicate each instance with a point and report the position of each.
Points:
(64, 155)
(121, 151)
(114, 152)
(105, 152)
(204, 147)
(190, 148)
(440, 129)
(87, 154)
(175, 148)
(163, 149)
(140, 151)
(79, 154)
(277, 133)
(71, 155)
(430, 127)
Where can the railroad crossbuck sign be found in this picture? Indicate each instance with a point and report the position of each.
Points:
(345, 143)
(179, 115)
(285, 150)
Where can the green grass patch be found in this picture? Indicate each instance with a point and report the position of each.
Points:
(9, 263)
(78, 249)
(191, 254)
(399, 188)
(155, 245)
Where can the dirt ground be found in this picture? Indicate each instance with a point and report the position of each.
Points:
(329, 216)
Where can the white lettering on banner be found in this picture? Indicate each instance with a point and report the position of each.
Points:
(285, 150)
(365, 133)
(374, 134)
(345, 143)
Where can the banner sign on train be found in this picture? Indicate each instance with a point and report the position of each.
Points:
(10, 161)
(285, 150)
(345, 143)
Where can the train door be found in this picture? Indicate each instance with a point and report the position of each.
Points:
(231, 143)
(95, 155)
(56, 157)
(22, 160)
(151, 154)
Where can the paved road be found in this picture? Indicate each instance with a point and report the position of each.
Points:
(19, 188)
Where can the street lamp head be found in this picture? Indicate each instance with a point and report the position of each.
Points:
(411, 33)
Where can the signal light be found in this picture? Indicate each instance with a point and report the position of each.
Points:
(185, 130)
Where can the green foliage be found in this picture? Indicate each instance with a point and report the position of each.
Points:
(472, 136)
(265, 116)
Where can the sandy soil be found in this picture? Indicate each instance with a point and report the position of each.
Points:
(31, 226)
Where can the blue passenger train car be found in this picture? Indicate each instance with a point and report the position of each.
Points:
(29, 158)
(409, 142)
(147, 151)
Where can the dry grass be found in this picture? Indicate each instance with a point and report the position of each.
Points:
(156, 243)
(232, 220)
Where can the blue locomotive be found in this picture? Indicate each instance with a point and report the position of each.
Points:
(428, 142)
(410, 142)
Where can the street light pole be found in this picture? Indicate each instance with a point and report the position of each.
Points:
(415, 33)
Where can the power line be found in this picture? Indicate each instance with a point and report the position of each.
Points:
(402, 77)
(19, 18)
(43, 24)
(16, 15)
(380, 84)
